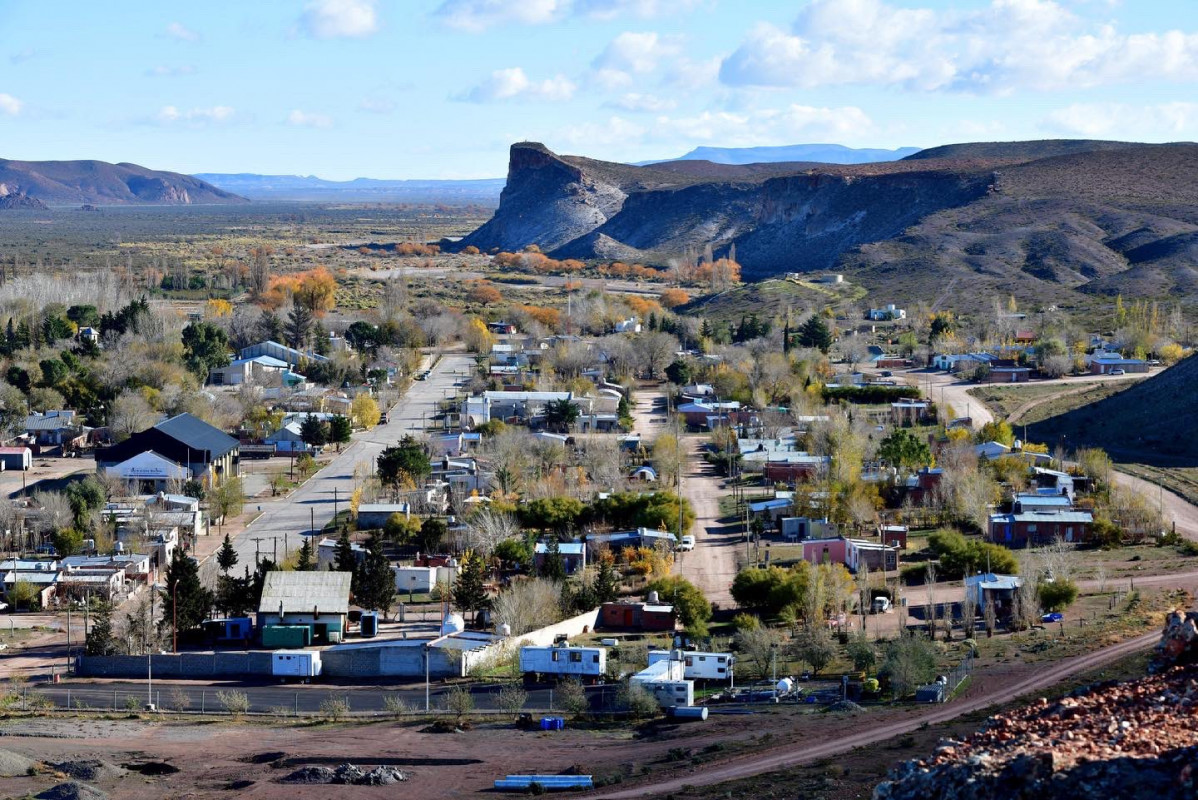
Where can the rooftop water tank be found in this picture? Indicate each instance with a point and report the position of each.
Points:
(784, 686)
(653, 598)
(505, 630)
(453, 623)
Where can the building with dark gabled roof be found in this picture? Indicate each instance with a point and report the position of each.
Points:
(204, 451)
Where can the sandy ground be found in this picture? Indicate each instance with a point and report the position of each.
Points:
(712, 564)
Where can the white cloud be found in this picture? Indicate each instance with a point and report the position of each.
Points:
(1158, 122)
(170, 115)
(513, 84)
(309, 119)
(769, 126)
(642, 103)
(478, 15)
(10, 105)
(179, 31)
(339, 19)
(1007, 45)
(632, 54)
(164, 71)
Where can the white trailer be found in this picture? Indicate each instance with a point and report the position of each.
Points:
(304, 664)
(664, 680)
(562, 661)
(699, 666)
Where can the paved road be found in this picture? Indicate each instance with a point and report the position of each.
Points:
(305, 698)
(791, 756)
(311, 506)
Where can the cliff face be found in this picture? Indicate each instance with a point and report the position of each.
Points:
(1044, 221)
(780, 216)
(101, 183)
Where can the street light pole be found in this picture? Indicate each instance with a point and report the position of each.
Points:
(175, 616)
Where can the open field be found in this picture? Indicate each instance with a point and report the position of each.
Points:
(1031, 403)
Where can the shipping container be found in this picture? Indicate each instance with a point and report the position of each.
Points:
(555, 663)
(295, 663)
(286, 636)
(234, 629)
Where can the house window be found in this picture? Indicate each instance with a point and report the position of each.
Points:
(1031, 528)
(555, 655)
(595, 659)
(690, 662)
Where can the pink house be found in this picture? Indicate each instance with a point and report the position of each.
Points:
(826, 551)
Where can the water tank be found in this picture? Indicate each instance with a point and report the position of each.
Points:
(453, 623)
(370, 624)
(505, 630)
(653, 598)
(120, 547)
(689, 712)
(784, 686)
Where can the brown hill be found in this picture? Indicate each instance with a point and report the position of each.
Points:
(101, 183)
(1153, 422)
(1046, 221)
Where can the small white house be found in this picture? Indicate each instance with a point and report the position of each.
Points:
(699, 666)
(419, 580)
(890, 312)
(563, 661)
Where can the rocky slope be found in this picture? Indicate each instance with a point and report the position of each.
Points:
(23, 201)
(1047, 221)
(101, 183)
(1115, 740)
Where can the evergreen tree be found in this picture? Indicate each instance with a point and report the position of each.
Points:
(299, 326)
(607, 580)
(304, 561)
(183, 586)
(376, 581)
(432, 531)
(786, 337)
(552, 566)
(226, 556)
(340, 430)
(270, 327)
(320, 340)
(313, 431)
(814, 333)
(470, 591)
(100, 639)
(343, 557)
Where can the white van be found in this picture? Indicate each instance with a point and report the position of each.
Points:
(687, 543)
(881, 605)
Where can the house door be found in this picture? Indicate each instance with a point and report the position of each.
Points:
(628, 618)
(1014, 378)
(1069, 534)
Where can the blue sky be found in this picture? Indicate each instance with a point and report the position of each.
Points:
(440, 88)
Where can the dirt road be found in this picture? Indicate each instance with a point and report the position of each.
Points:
(712, 564)
(784, 758)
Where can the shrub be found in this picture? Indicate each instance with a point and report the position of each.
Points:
(459, 701)
(336, 708)
(235, 703)
(397, 706)
(512, 698)
(572, 696)
(1057, 595)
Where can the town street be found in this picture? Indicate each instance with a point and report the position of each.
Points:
(282, 522)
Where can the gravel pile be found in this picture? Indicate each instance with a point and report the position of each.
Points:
(89, 769)
(346, 775)
(13, 765)
(72, 790)
(1111, 740)
(845, 707)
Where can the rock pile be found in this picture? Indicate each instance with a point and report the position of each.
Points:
(1111, 740)
(346, 774)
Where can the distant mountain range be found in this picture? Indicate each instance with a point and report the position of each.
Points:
(101, 183)
(819, 153)
(1044, 220)
(311, 188)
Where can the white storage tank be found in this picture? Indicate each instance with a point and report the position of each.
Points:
(453, 623)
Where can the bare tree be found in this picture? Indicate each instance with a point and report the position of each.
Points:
(528, 605)
(485, 529)
(930, 583)
(655, 351)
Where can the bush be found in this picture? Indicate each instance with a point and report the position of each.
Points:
(335, 708)
(910, 662)
(572, 696)
(459, 701)
(235, 703)
(960, 556)
(746, 622)
(1057, 595)
(636, 701)
(512, 698)
(397, 706)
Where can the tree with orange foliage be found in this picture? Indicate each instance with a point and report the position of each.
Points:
(483, 293)
(672, 298)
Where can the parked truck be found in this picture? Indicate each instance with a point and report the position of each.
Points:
(539, 664)
(302, 664)
(698, 665)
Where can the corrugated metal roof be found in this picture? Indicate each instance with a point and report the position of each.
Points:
(198, 435)
(300, 592)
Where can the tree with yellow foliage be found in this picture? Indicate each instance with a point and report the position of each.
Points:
(217, 307)
(1171, 353)
(365, 411)
(477, 337)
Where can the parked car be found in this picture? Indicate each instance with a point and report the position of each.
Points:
(1053, 616)
(687, 543)
(1116, 372)
(881, 605)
